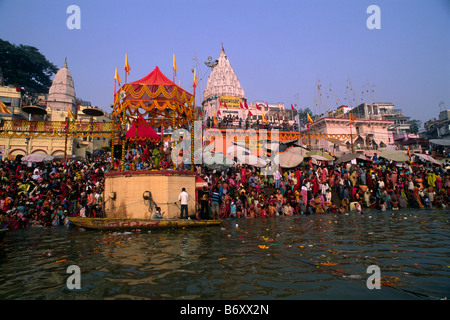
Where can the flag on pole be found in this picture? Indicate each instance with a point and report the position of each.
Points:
(220, 103)
(70, 114)
(215, 119)
(257, 107)
(292, 107)
(240, 105)
(195, 77)
(264, 118)
(250, 113)
(200, 113)
(117, 77)
(309, 118)
(4, 108)
(225, 105)
(127, 66)
(351, 117)
(246, 106)
(174, 67)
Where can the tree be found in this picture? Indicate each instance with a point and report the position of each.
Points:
(414, 126)
(24, 66)
(303, 115)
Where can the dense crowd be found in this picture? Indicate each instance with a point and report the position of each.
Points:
(45, 194)
(242, 191)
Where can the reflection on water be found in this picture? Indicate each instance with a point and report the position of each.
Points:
(302, 257)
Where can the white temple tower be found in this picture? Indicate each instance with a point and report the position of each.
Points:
(61, 95)
(223, 88)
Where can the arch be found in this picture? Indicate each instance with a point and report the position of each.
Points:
(57, 153)
(38, 151)
(17, 151)
(359, 142)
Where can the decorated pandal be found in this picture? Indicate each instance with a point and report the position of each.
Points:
(151, 102)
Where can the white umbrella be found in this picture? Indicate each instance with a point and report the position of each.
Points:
(298, 150)
(428, 158)
(288, 159)
(252, 160)
(37, 157)
(393, 155)
(236, 150)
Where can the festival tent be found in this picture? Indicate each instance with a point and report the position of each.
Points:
(143, 133)
(155, 95)
(427, 158)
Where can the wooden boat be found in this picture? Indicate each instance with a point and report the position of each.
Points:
(129, 224)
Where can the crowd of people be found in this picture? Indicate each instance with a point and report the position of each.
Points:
(242, 191)
(45, 194)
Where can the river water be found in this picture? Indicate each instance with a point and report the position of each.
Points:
(300, 257)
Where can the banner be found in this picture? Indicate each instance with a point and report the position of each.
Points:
(231, 102)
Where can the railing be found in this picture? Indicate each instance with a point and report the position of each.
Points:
(25, 128)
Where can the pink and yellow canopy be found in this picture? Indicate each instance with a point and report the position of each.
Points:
(156, 98)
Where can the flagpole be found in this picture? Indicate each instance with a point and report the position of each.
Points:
(309, 138)
(351, 135)
(65, 143)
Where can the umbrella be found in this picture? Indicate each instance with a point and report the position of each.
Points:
(336, 142)
(441, 142)
(252, 160)
(393, 155)
(288, 159)
(347, 157)
(428, 158)
(298, 150)
(37, 157)
(320, 158)
(322, 155)
(237, 150)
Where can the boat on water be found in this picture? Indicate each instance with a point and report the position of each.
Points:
(113, 224)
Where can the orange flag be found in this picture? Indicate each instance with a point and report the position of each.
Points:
(127, 66)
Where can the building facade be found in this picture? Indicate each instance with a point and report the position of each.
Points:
(368, 135)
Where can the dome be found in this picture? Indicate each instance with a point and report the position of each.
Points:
(61, 95)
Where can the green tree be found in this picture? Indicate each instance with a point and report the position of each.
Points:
(303, 115)
(24, 66)
(415, 126)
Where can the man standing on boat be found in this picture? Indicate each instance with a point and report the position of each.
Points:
(183, 197)
(204, 202)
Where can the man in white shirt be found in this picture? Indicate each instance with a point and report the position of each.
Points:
(183, 197)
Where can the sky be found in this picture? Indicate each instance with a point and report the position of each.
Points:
(280, 50)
